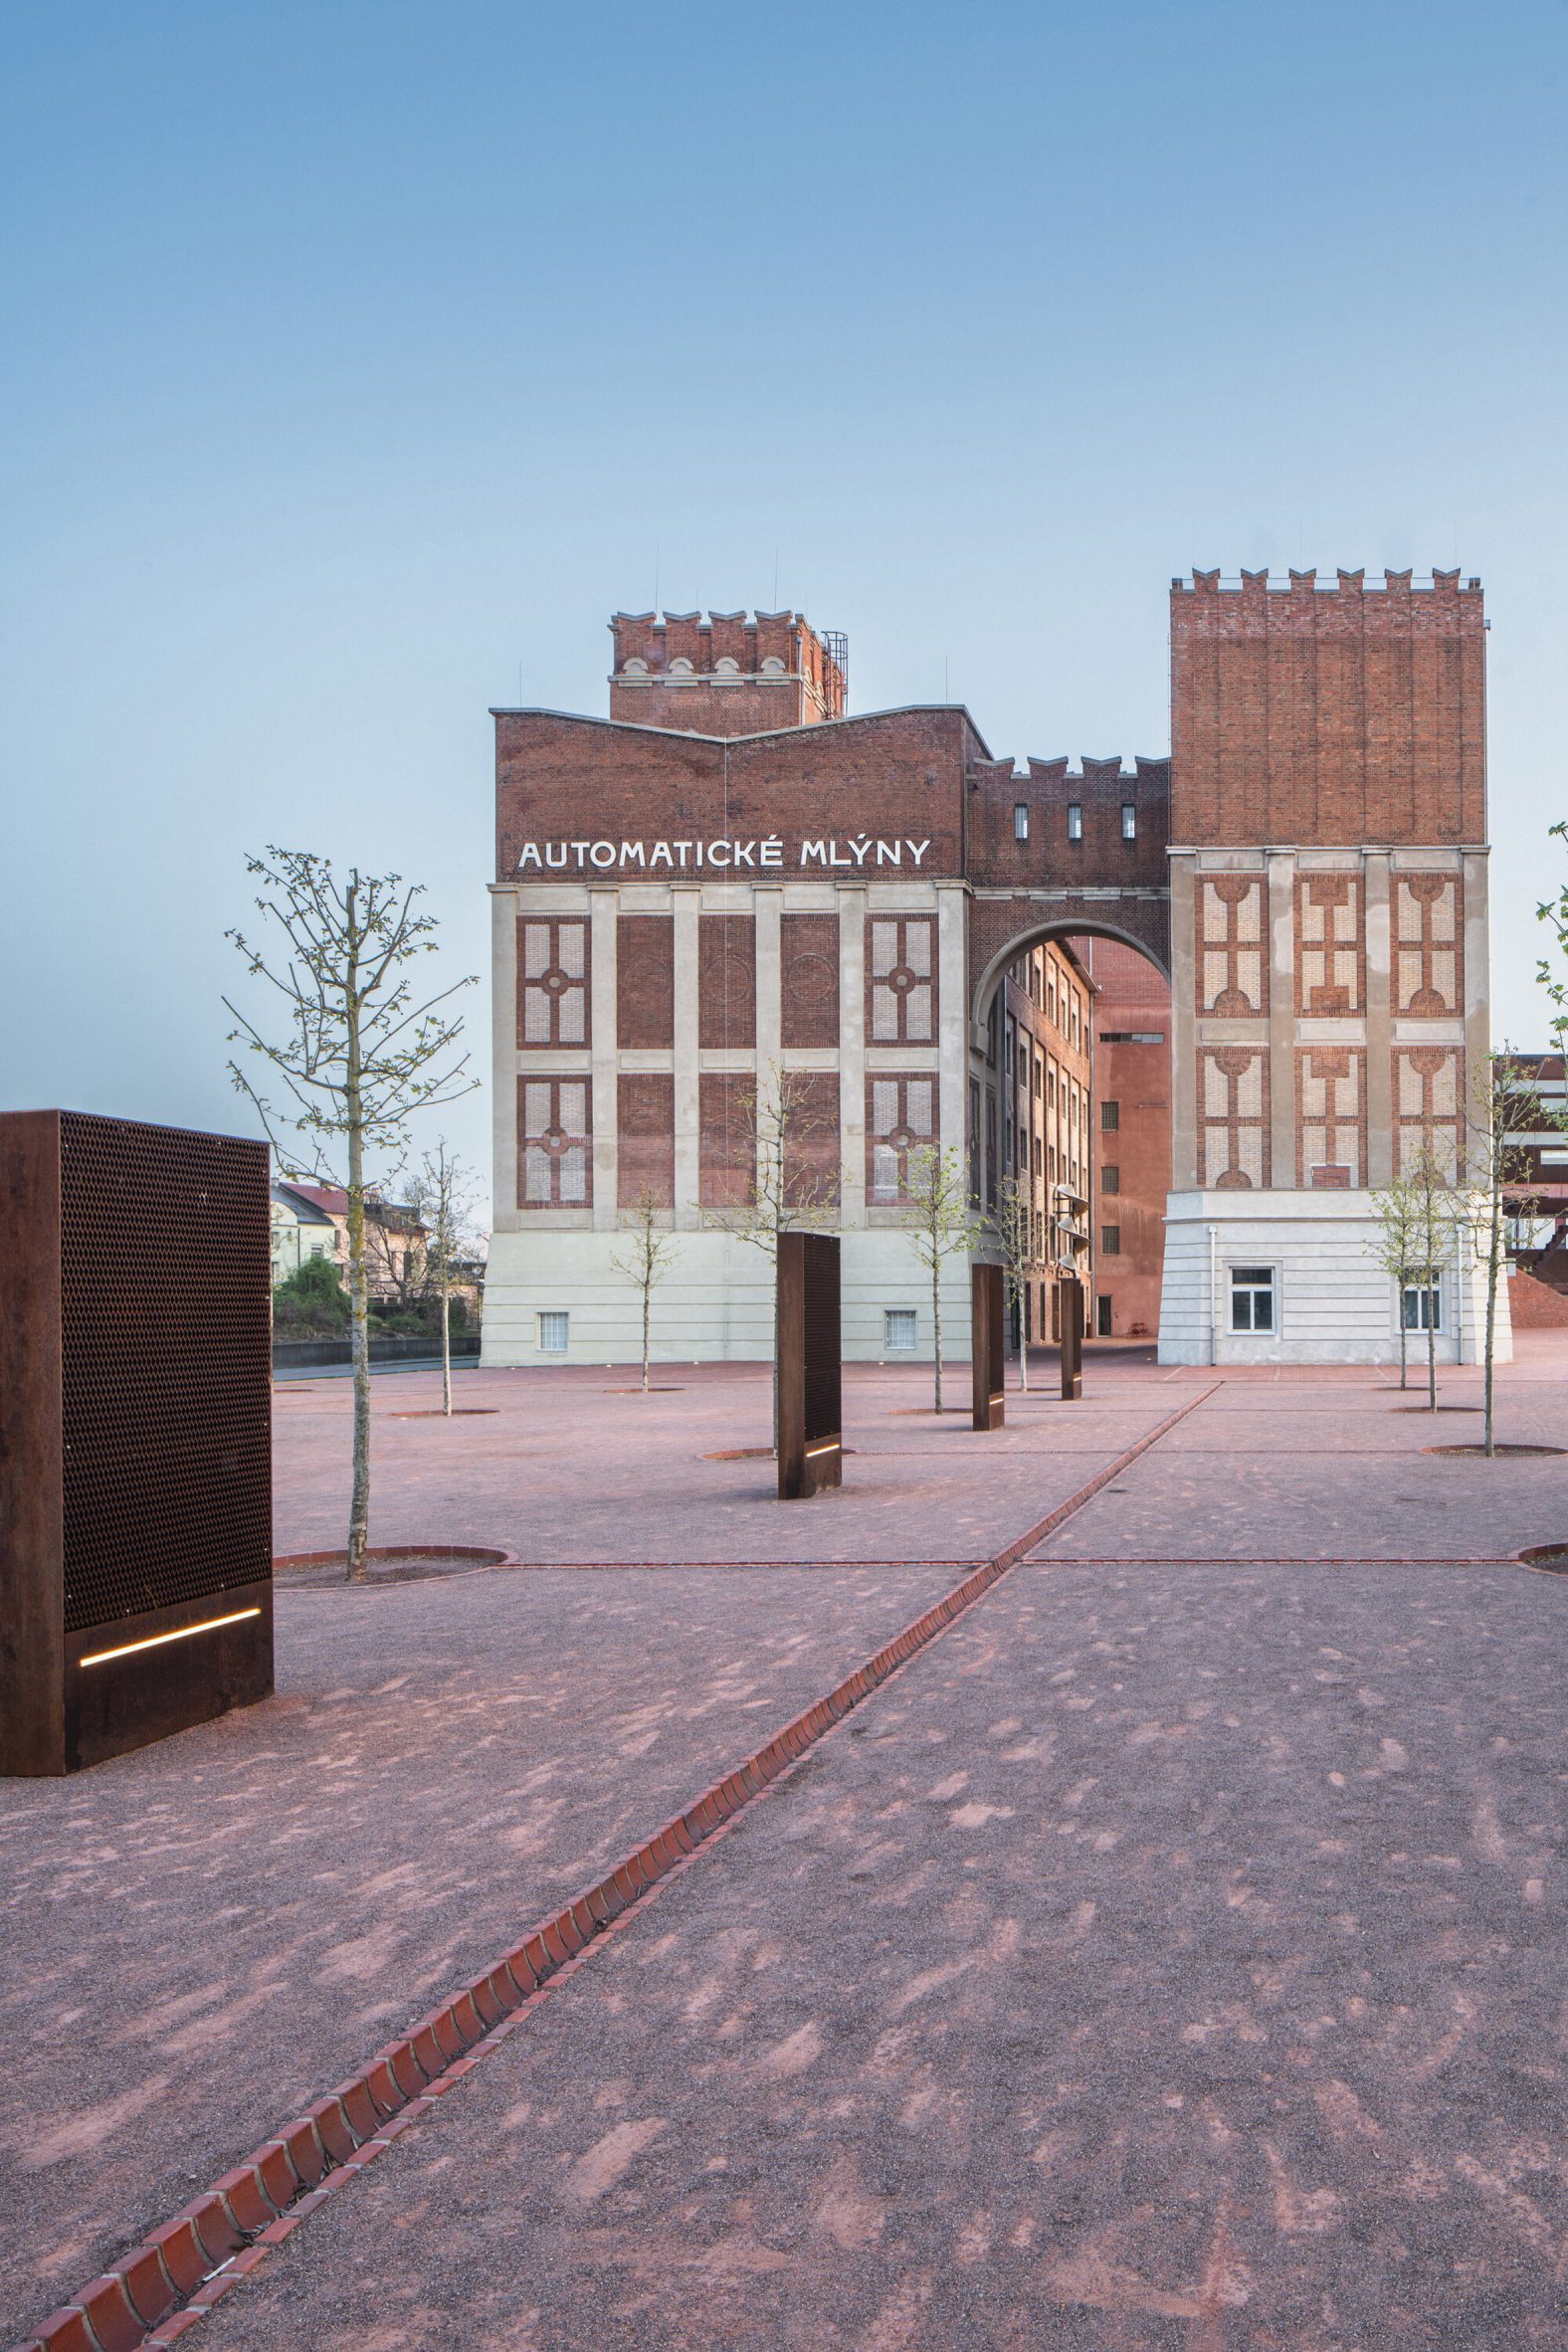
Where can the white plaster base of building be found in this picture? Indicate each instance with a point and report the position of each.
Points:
(1332, 1301)
(716, 1303)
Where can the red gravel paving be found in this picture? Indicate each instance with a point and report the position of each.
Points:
(563, 1471)
(1162, 1960)
(216, 1929)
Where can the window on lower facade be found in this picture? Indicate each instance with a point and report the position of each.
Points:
(1109, 1119)
(899, 1328)
(1422, 1306)
(1109, 1178)
(1251, 1298)
(1110, 1240)
(555, 1332)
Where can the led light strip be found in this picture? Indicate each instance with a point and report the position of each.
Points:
(833, 1445)
(208, 1625)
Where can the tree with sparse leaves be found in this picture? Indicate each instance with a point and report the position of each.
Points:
(1503, 1107)
(1394, 1245)
(357, 1055)
(1013, 1222)
(440, 1196)
(774, 1133)
(648, 1254)
(1553, 973)
(1431, 1213)
(941, 1221)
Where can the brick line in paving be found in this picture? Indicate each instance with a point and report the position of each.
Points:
(155, 2294)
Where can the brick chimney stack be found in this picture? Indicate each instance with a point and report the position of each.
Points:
(731, 673)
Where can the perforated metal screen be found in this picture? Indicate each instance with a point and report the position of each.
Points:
(166, 1365)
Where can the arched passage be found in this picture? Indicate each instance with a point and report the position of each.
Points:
(1069, 1106)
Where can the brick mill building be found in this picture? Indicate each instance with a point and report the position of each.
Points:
(733, 875)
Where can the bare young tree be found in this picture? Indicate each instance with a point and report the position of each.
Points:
(786, 1190)
(1503, 1107)
(1013, 1222)
(1553, 973)
(1436, 1228)
(941, 1221)
(356, 1058)
(440, 1196)
(649, 1254)
(1394, 1245)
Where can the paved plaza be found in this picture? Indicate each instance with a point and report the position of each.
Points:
(1168, 1954)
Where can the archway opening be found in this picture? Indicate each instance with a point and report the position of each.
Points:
(1069, 1122)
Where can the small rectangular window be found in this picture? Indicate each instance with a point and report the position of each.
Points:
(899, 1327)
(1251, 1298)
(1109, 1178)
(1074, 820)
(554, 1333)
(1422, 1306)
(1021, 820)
(1110, 1240)
(1109, 1119)
(1129, 820)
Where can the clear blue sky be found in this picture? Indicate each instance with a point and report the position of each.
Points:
(357, 354)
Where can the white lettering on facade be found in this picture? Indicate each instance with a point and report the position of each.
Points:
(555, 857)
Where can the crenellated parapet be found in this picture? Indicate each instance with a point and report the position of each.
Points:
(725, 674)
(1099, 823)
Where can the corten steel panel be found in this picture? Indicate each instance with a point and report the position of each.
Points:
(135, 1501)
(809, 1429)
(1071, 1338)
(985, 1345)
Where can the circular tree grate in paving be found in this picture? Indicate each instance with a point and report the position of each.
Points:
(1437, 1408)
(434, 1413)
(1496, 1449)
(395, 1563)
(1553, 1557)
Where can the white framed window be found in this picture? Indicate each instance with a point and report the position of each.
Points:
(899, 1327)
(1074, 820)
(1129, 820)
(1421, 1304)
(555, 1330)
(1021, 820)
(1253, 1303)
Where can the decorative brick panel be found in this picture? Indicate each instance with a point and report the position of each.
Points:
(726, 1166)
(644, 981)
(1428, 1104)
(900, 1117)
(811, 1141)
(552, 981)
(727, 982)
(900, 980)
(646, 1156)
(1330, 970)
(1233, 1117)
(1233, 961)
(1330, 1117)
(1429, 954)
(809, 956)
(554, 1133)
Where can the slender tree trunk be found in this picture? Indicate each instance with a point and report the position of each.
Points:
(359, 1301)
(647, 1300)
(1493, 1253)
(445, 1348)
(1022, 1346)
(1430, 1286)
(1404, 1337)
(936, 1326)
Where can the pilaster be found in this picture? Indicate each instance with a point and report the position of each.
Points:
(852, 1056)
(686, 905)
(1380, 1021)
(1184, 1021)
(602, 907)
(503, 1057)
(1281, 1020)
(952, 960)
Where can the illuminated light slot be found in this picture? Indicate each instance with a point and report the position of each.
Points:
(184, 1632)
(830, 1446)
